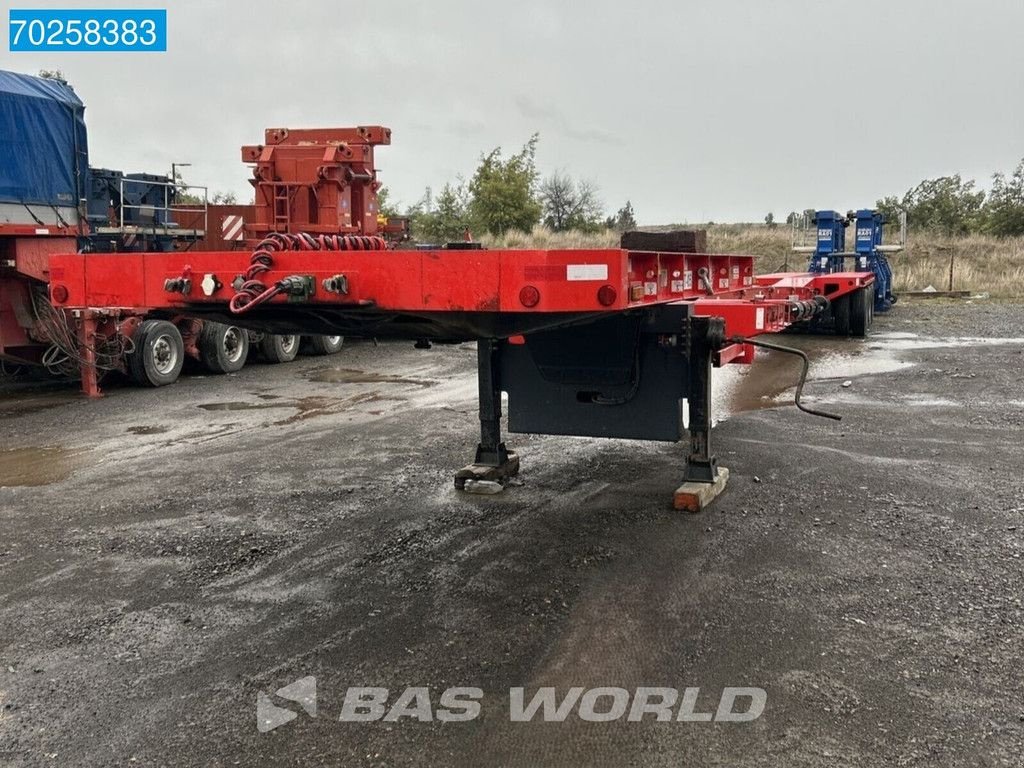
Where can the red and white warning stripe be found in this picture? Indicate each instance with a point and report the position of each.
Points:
(231, 228)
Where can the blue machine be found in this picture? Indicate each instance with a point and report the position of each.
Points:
(830, 242)
(830, 252)
(870, 255)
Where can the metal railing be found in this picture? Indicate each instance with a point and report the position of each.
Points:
(160, 217)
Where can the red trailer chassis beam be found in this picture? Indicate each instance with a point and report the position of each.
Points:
(487, 294)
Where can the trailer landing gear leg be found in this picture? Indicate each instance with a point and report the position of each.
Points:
(494, 463)
(87, 368)
(704, 479)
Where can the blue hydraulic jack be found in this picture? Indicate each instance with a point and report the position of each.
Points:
(829, 253)
(871, 255)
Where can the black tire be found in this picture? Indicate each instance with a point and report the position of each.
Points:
(841, 315)
(860, 311)
(279, 348)
(223, 348)
(159, 354)
(324, 345)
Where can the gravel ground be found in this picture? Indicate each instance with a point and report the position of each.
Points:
(167, 555)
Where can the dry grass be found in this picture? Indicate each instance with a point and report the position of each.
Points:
(544, 239)
(980, 263)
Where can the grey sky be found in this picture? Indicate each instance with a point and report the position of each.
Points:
(694, 111)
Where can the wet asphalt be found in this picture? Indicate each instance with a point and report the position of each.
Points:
(168, 555)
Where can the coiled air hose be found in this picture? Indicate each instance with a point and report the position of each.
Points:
(254, 291)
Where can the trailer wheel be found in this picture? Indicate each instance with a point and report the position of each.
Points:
(159, 354)
(279, 348)
(841, 315)
(324, 345)
(860, 312)
(223, 348)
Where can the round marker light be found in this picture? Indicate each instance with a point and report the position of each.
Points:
(529, 296)
(59, 294)
(606, 295)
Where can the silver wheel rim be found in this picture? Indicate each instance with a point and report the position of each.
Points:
(288, 343)
(165, 354)
(332, 341)
(232, 343)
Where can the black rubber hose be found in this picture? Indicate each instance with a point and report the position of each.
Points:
(803, 373)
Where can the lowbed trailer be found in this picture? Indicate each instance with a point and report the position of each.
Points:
(596, 343)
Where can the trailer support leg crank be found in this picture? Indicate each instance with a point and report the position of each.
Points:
(701, 466)
(87, 337)
(494, 463)
(703, 479)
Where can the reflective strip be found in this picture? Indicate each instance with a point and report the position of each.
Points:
(231, 228)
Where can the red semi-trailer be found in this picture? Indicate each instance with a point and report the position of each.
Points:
(604, 343)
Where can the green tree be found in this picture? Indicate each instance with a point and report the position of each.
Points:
(947, 204)
(384, 205)
(569, 204)
(769, 220)
(1004, 209)
(224, 198)
(890, 207)
(503, 192)
(53, 74)
(624, 220)
(445, 218)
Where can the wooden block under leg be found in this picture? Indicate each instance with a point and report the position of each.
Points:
(694, 497)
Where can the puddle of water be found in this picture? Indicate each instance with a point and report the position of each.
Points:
(39, 466)
(311, 407)
(305, 407)
(770, 380)
(242, 406)
(350, 376)
(17, 405)
(895, 335)
(154, 429)
(931, 402)
(898, 342)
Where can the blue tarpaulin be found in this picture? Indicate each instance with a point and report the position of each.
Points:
(44, 159)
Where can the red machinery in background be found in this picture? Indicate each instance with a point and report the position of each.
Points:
(319, 181)
(604, 343)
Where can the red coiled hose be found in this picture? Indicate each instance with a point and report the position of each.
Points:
(254, 292)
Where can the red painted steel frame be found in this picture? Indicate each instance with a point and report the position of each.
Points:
(316, 180)
(502, 281)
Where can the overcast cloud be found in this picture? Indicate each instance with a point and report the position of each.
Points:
(694, 111)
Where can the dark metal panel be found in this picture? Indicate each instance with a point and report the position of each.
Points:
(612, 378)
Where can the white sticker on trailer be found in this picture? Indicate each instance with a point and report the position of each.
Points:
(759, 319)
(576, 272)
